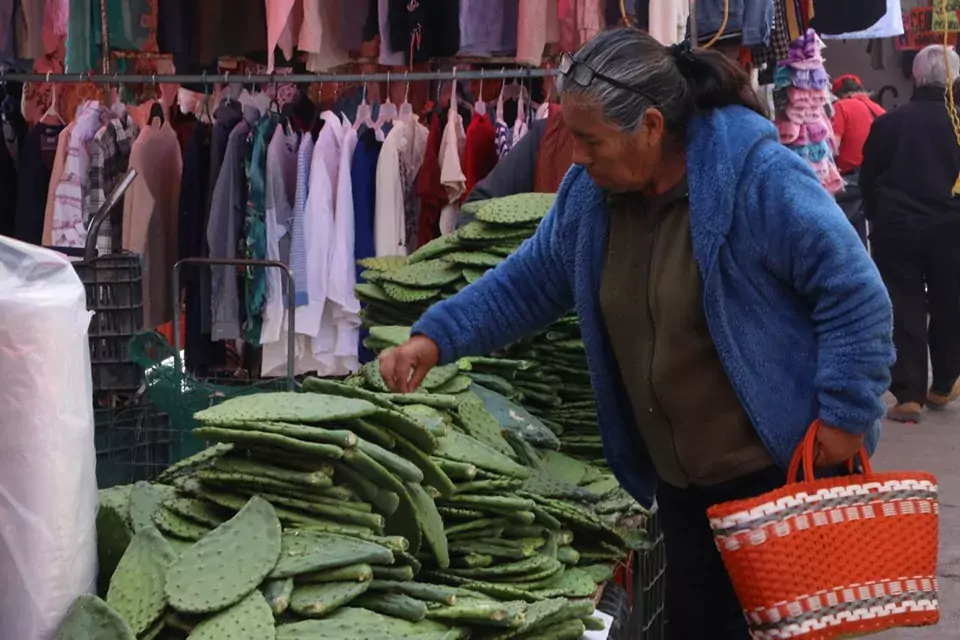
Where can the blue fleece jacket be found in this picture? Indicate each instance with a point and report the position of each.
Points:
(797, 310)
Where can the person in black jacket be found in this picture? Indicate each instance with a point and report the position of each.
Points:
(911, 161)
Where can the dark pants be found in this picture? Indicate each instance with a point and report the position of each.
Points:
(851, 202)
(701, 603)
(922, 275)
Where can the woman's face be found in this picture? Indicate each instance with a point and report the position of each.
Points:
(617, 161)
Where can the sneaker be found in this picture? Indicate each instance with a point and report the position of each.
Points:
(938, 401)
(907, 412)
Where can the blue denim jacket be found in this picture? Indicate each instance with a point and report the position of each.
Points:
(754, 18)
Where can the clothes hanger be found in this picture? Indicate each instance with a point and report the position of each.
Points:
(388, 110)
(156, 111)
(51, 111)
(503, 89)
(479, 106)
(406, 109)
(363, 111)
(206, 99)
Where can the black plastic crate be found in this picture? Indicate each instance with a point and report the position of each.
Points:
(114, 287)
(648, 618)
(133, 441)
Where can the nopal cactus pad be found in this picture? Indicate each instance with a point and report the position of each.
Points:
(249, 619)
(229, 563)
(90, 618)
(286, 407)
(137, 587)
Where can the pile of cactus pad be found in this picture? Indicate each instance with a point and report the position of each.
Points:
(344, 508)
(546, 373)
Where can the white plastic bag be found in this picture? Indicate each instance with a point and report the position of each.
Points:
(48, 484)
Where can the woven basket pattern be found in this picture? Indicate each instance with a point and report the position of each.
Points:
(833, 558)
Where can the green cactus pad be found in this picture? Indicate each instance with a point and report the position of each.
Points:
(401, 424)
(371, 292)
(470, 259)
(145, 500)
(305, 552)
(249, 619)
(175, 525)
(396, 574)
(568, 556)
(479, 423)
(456, 385)
(277, 593)
(569, 630)
(564, 467)
(345, 623)
(463, 448)
(334, 388)
(439, 376)
(90, 618)
(494, 614)
(431, 524)
(435, 248)
(286, 407)
(137, 587)
(383, 263)
(396, 605)
(196, 461)
(311, 479)
(113, 538)
(505, 249)
(405, 522)
(515, 418)
(401, 293)
(426, 274)
(351, 573)
(482, 231)
(229, 563)
(433, 475)
(400, 467)
(420, 590)
(319, 600)
(271, 440)
(436, 422)
(520, 210)
(199, 511)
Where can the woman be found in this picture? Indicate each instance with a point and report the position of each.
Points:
(724, 300)
(853, 115)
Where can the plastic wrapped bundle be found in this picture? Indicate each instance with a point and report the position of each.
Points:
(48, 487)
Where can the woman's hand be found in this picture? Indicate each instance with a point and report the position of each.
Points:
(403, 368)
(835, 446)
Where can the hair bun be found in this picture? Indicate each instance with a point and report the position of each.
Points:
(682, 53)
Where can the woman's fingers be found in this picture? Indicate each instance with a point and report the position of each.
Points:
(403, 368)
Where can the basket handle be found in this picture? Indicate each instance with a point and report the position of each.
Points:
(805, 453)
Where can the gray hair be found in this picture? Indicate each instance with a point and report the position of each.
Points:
(677, 81)
(615, 54)
(930, 66)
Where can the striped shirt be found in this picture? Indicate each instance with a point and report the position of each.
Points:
(298, 249)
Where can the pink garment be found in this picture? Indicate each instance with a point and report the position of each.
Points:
(278, 21)
(56, 14)
(151, 216)
(580, 21)
(538, 26)
(328, 53)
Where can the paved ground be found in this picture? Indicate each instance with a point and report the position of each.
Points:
(933, 445)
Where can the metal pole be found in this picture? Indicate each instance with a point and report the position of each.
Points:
(299, 78)
(238, 262)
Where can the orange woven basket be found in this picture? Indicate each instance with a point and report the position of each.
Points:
(839, 557)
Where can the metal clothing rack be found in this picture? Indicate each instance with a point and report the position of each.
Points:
(297, 78)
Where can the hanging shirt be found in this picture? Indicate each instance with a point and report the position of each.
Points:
(281, 194)
(8, 50)
(325, 52)
(400, 160)
(227, 208)
(150, 216)
(281, 170)
(109, 158)
(580, 21)
(363, 172)
(504, 137)
(33, 181)
(451, 171)
(354, 16)
(318, 223)
(538, 26)
(861, 17)
(229, 28)
(425, 28)
(488, 27)
(298, 249)
(554, 155)
(391, 53)
(432, 195)
(668, 20)
(480, 151)
(278, 22)
(63, 143)
(255, 222)
(344, 306)
(68, 228)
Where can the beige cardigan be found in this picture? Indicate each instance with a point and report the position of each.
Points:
(150, 216)
(56, 172)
